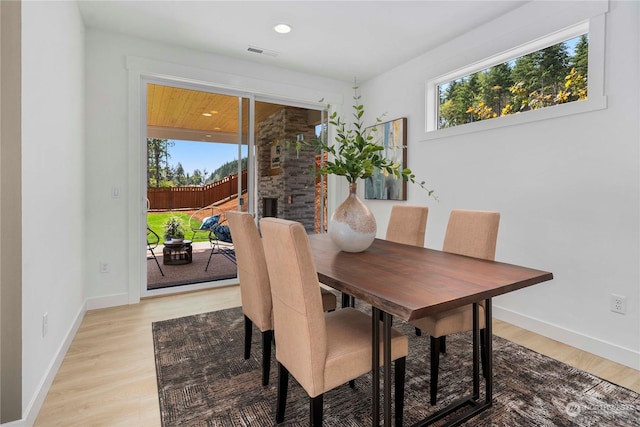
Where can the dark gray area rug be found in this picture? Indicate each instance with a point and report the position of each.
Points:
(203, 380)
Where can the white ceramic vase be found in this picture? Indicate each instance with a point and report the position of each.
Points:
(352, 226)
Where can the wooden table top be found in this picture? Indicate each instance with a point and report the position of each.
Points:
(411, 282)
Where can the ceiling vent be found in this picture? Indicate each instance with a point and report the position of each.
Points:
(262, 51)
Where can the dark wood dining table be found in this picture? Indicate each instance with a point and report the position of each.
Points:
(409, 282)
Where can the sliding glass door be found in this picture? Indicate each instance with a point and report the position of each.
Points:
(199, 166)
(211, 151)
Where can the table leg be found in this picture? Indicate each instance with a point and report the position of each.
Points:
(475, 333)
(488, 340)
(386, 324)
(476, 406)
(375, 366)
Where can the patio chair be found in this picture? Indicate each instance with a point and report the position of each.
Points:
(152, 242)
(205, 219)
(218, 232)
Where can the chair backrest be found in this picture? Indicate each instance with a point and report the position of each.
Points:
(472, 233)
(152, 238)
(407, 224)
(252, 269)
(298, 315)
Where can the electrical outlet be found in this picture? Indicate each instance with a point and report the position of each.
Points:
(104, 267)
(45, 324)
(618, 303)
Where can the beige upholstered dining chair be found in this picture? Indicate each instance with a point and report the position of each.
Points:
(473, 234)
(321, 351)
(255, 291)
(407, 224)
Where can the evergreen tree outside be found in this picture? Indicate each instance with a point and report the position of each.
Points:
(160, 173)
(179, 175)
(158, 161)
(580, 60)
(550, 76)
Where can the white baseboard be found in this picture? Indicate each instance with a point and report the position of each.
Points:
(17, 423)
(610, 351)
(107, 301)
(33, 408)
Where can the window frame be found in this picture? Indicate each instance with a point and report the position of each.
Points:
(594, 27)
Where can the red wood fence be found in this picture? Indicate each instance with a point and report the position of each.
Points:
(195, 197)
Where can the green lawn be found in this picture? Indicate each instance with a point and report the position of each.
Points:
(156, 223)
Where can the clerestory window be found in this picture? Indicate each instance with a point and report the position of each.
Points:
(551, 71)
(551, 76)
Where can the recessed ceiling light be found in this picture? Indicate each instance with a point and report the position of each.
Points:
(213, 112)
(282, 28)
(207, 114)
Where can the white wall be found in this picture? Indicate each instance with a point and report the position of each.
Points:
(53, 190)
(115, 64)
(567, 188)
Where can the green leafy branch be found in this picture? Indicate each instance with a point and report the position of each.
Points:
(355, 154)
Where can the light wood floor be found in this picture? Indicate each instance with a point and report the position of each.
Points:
(108, 376)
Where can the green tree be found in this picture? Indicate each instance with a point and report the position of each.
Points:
(196, 178)
(459, 96)
(228, 168)
(179, 175)
(580, 60)
(553, 66)
(525, 70)
(157, 161)
(498, 82)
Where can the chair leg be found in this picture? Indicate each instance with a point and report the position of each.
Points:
(483, 353)
(352, 383)
(157, 263)
(418, 332)
(215, 246)
(435, 364)
(248, 330)
(400, 368)
(210, 255)
(348, 300)
(267, 337)
(315, 411)
(283, 384)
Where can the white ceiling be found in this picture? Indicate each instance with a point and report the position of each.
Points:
(336, 39)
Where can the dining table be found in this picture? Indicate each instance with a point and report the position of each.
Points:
(409, 282)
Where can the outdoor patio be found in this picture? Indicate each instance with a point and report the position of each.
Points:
(222, 266)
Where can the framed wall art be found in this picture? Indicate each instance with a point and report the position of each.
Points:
(275, 153)
(392, 136)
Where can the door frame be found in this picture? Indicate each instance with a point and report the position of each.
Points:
(144, 292)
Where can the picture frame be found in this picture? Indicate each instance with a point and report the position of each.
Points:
(392, 135)
(275, 153)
